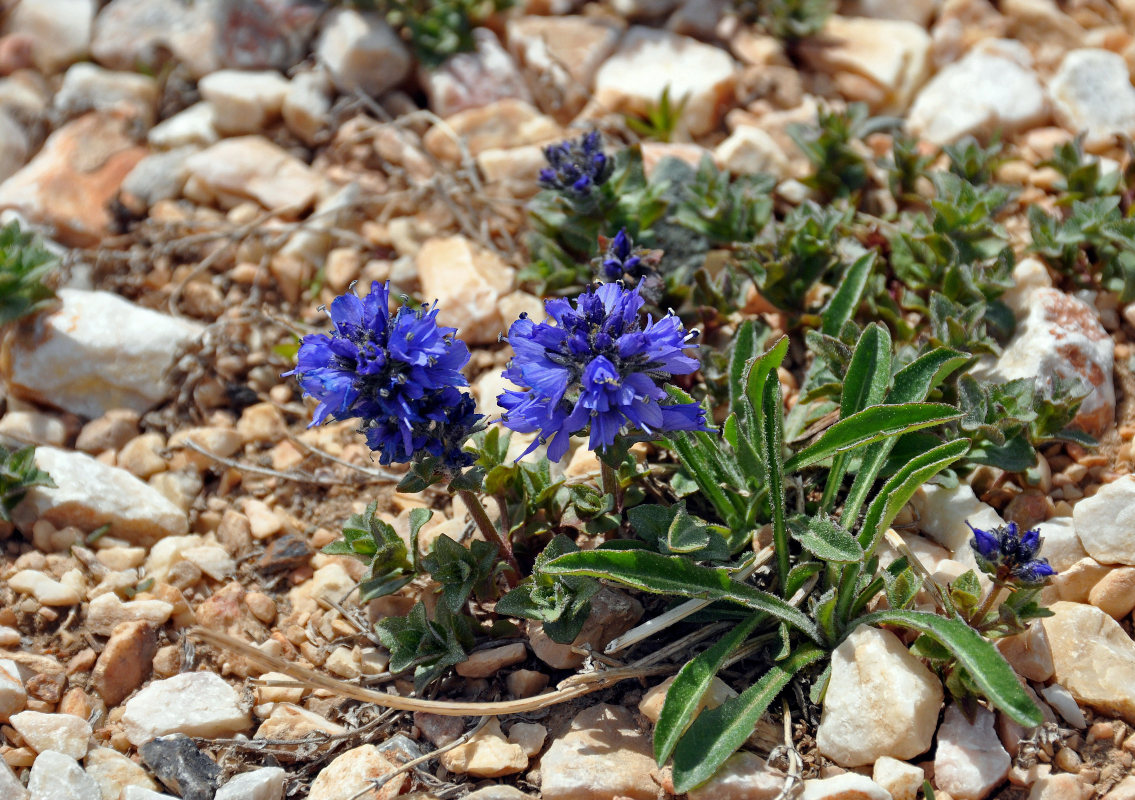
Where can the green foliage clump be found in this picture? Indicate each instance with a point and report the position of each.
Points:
(436, 29)
(18, 474)
(24, 264)
(788, 20)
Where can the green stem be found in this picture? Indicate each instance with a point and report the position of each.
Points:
(986, 606)
(489, 531)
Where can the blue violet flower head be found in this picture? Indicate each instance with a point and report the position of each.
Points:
(622, 258)
(595, 363)
(397, 372)
(1009, 555)
(576, 166)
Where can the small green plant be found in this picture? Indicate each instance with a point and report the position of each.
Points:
(1093, 245)
(660, 122)
(835, 149)
(24, 263)
(788, 20)
(972, 162)
(18, 474)
(437, 29)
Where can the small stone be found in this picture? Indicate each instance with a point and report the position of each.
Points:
(87, 87)
(881, 701)
(487, 663)
(1060, 545)
(126, 661)
(526, 683)
(848, 786)
(284, 554)
(61, 733)
(13, 695)
(307, 106)
(529, 736)
(487, 754)
(1115, 593)
(31, 427)
(192, 127)
(970, 761)
(473, 79)
(1065, 704)
(1124, 790)
(211, 559)
(142, 455)
(499, 792)
(244, 102)
(262, 422)
(507, 123)
(1105, 522)
(1094, 658)
(1060, 786)
(114, 772)
(142, 793)
(1028, 653)
(743, 776)
(111, 431)
(193, 703)
(290, 722)
(651, 704)
(352, 772)
(750, 150)
(993, 88)
(901, 779)
(1092, 92)
(252, 168)
(106, 612)
(362, 52)
(181, 767)
(1075, 583)
(10, 786)
(60, 30)
(262, 520)
(266, 783)
(56, 776)
(467, 283)
(943, 513)
(47, 591)
(602, 756)
(129, 34)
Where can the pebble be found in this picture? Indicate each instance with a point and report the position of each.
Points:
(487, 754)
(131, 33)
(244, 102)
(1094, 658)
(47, 591)
(60, 30)
(212, 559)
(1060, 786)
(289, 722)
(10, 786)
(14, 145)
(1115, 593)
(970, 761)
(142, 455)
(473, 79)
(193, 703)
(307, 105)
(1028, 653)
(1105, 522)
(1075, 583)
(266, 783)
(508, 123)
(487, 663)
(1062, 700)
(743, 776)
(650, 60)
(603, 755)
(526, 683)
(942, 515)
(362, 52)
(19, 428)
(106, 612)
(61, 733)
(126, 661)
(993, 88)
(262, 422)
(499, 792)
(56, 776)
(529, 736)
(1092, 93)
(351, 772)
(881, 701)
(114, 772)
(467, 283)
(848, 786)
(651, 704)
(750, 150)
(263, 521)
(181, 766)
(192, 127)
(901, 779)
(251, 168)
(87, 87)
(13, 695)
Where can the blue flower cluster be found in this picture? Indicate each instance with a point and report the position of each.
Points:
(622, 258)
(576, 166)
(596, 364)
(1008, 555)
(399, 373)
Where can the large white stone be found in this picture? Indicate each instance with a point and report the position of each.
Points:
(266, 783)
(1059, 542)
(96, 352)
(992, 89)
(1105, 522)
(362, 52)
(1093, 657)
(1092, 92)
(244, 102)
(114, 772)
(193, 703)
(252, 168)
(970, 760)
(193, 127)
(61, 733)
(90, 494)
(603, 755)
(743, 776)
(352, 772)
(56, 776)
(60, 30)
(13, 696)
(881, 701)
(650, 60)
(942, 514)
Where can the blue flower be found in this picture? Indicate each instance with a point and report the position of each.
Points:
(621, 258)
(576, 166)
(595, 363)
(1007, 554)
(398, 373)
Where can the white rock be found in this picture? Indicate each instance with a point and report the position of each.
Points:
(603, 755)
(56, 776)
(750, 150)
(1092, 92)
(45, 589)
(473, 79)
(115, 772)
(193, 703)
(970, 760)
(942, 515)
(1029, 275)
(362, 52)
(213, 560)
(844, 787)
(352, 772)
(14, 145)
(266, 783)
(10, 786)
(993, 88)
(918, 11)
(129, 33)
(87, 87)
(487, 754)
(96, 352)
(168, 552)
(192, 127)
(13, 696)
(106, 611)
(743, 776)
(1105, 522)
(651, 60)
(60, 30)
(1059, 542)
(252, 168)
(142, 793)
(19, 428)
(1094, 658)
(882, 62)
(467, 283)
(1065, 705)
(901, 779)
(61, 733)
(244, 102)
(881, 701)
(90, 494)
(307, 105)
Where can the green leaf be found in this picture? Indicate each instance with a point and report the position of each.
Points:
(985, 665)
(841, 308)
(675, 575)
(18, 474)
(744, 349)
(965, 592)
(562, 603)
(24, 263)
(718, 732)
(772, 448)
(418, 518)
(826, 539)
(460, 570)
(683, 698)
(871, 425)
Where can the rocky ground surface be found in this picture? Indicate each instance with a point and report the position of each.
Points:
(212, 173)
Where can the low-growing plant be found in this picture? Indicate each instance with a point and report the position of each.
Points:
(787, 20)
(660, 121)
(436, 29)
(24, 264)
(18, 474)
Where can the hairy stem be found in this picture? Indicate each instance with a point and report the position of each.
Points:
(490, 532)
